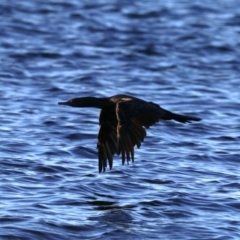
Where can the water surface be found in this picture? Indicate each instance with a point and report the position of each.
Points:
(184, 183)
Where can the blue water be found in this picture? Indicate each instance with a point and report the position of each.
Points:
(185, 181)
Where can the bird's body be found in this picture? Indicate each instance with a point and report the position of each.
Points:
(123, 120)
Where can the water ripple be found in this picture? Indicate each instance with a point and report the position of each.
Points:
(184, 182)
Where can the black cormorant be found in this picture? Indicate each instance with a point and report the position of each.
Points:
(123, 120)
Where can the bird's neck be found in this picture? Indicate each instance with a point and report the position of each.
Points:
(95, 102)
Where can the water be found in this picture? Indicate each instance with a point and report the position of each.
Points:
(185, 181)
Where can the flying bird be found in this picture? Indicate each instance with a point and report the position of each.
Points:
(122, 121)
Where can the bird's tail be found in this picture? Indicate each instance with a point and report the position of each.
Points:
(179, 117)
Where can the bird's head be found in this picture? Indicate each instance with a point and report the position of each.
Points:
(75, 102)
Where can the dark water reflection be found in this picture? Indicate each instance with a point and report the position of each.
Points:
(185, 180)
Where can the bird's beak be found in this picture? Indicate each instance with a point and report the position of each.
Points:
(63, 103)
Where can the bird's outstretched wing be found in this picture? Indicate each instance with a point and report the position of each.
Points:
(118, 133)
(132, 117)
(107, 139)
(123, 128)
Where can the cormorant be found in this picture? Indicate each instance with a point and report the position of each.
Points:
(122, 121)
